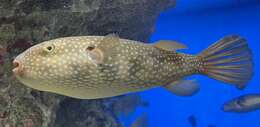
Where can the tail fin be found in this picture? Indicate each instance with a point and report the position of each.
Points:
(228, 60)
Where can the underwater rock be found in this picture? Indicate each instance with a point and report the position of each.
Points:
(90, 113)
(24, 23)
(126, 104)
(96, 113)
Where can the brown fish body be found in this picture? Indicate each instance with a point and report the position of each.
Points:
(91, 67)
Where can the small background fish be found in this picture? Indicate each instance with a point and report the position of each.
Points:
(242, 104)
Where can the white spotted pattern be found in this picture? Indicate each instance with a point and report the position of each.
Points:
(68, 69)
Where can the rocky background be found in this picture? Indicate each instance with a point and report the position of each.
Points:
(24, 23)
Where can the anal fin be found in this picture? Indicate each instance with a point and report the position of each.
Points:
(183, 87)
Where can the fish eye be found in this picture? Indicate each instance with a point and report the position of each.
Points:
(49, 48)
(240, 102)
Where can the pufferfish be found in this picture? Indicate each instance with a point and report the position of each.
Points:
(91, 67)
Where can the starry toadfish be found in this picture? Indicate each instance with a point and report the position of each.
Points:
(90, 67)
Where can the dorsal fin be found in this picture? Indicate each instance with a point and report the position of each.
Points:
(169, 45)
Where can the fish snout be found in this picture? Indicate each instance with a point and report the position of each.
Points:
(18, 67)
(226, 108)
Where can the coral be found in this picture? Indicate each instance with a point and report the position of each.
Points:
(24, 23)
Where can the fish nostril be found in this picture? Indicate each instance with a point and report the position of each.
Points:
(16, 64)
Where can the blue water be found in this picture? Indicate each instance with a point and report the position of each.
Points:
(199, 23)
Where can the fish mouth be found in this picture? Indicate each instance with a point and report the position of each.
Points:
(230, 107)
(18, 68)
(226, 108)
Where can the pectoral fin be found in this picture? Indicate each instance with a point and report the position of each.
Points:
(105, 49)
(169, 45)
(183, 87)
